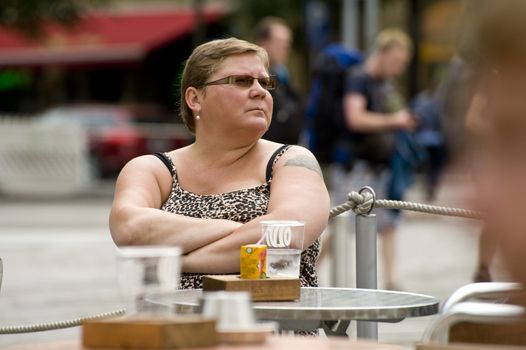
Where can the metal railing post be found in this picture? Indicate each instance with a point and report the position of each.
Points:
(340, 255)
(366, 272)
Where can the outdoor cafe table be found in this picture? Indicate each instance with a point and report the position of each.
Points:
(329, 308)
(272, 343)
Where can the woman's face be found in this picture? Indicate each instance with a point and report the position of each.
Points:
(235, 112)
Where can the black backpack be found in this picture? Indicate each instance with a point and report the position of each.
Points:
(326, 125)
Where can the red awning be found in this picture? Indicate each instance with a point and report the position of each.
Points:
(101, 37)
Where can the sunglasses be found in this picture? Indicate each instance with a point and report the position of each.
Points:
(246, 81)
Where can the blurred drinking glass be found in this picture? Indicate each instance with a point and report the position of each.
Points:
(146, 271)
(232, 310)
(284, 240)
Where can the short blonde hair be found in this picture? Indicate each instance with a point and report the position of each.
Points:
(392, 37)
(205, 61)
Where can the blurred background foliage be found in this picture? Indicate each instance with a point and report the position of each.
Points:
(433, 24)
(29, 16)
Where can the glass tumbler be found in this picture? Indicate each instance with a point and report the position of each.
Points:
(145, 272)
(284, 240)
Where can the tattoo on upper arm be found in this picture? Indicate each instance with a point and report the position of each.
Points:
(306, 162)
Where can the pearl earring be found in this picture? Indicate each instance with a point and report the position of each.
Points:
(197, 117)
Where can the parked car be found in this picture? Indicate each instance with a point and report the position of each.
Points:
(118, 133)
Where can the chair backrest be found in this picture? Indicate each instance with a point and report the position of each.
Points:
(496, 291)
(488, 323)
(501, 334)
(459, 346)
(478, 313)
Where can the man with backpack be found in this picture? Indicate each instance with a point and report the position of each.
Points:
(275, 36)
(325, 118)
(373, 113)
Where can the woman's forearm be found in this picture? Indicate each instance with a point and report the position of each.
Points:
(211, 261)
(222, 256)
(131, 225)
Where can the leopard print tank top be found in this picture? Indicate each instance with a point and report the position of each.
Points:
(241, 206)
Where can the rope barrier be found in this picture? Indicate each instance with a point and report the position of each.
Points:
(361, 203)
(40, 327)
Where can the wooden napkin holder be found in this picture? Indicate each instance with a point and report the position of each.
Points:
(268, 289)
(147, 332)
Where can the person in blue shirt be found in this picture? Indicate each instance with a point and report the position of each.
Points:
(373, 116)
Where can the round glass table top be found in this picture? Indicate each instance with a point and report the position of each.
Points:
(323, 304)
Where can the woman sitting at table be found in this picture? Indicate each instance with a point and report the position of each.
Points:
(209, 197)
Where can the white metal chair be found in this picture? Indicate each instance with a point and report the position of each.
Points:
(487, 290)
(460, 308)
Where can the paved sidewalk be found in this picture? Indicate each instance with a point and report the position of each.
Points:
(59, 262)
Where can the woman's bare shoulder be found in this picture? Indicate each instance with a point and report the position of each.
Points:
(144, 177)
(142, 163)
(294, 156)
(146, 168)
(299, 156)
(271, 147)
(176, 153)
